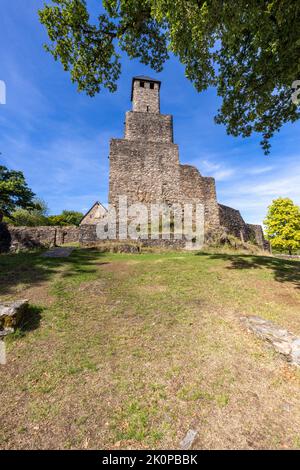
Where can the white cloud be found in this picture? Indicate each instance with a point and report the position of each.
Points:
(253, 194)
(223, 175)
(251, 188)
(217, 170)
(260, 170)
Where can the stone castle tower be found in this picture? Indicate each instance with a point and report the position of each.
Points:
(144, 165)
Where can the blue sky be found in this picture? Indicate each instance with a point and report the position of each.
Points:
(60, 138)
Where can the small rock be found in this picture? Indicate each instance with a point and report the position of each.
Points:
(189, 439)
(287, 407)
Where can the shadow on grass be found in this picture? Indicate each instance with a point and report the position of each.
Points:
(32, 318)
(33, 269)
(284, 270)
(30, 322)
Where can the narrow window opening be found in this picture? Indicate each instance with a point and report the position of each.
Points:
(152, 86)
(142, 84)
(147, 109)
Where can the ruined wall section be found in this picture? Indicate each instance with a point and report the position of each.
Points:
(256, 234)
(24, 238)
(232, 220)
(149, 127)
(199, 189)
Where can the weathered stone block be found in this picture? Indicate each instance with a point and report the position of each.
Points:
(283, 341)
(189, 439)
(11, 315)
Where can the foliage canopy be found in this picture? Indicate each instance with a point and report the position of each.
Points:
(283, 225)
(65, 218)
(14, 192)
(248, 50)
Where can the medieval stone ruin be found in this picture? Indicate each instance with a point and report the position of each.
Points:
(145, 167)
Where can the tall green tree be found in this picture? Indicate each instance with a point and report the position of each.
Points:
(14, 192)
(35, 216)
(248, 49)
(283, 225)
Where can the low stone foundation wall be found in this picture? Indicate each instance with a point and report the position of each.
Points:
(88, 237)
(24, 238)
(245, 232)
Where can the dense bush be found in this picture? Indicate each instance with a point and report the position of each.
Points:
(66, 218)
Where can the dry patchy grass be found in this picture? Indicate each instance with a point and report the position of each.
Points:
(131, 351)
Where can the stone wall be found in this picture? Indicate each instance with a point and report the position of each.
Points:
(255, 234)
(22, 238)
(146, 172)
(234, 223)
(195, 188)
(68, 234)
(232, 220)
(87, 235)
(150, 173)
(88, 238)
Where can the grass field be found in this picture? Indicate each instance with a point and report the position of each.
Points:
(132, 351)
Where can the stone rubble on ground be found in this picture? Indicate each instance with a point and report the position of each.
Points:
(11, 314)
(188, 439)
(59, 252)
(287, 256)
(283, 341)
